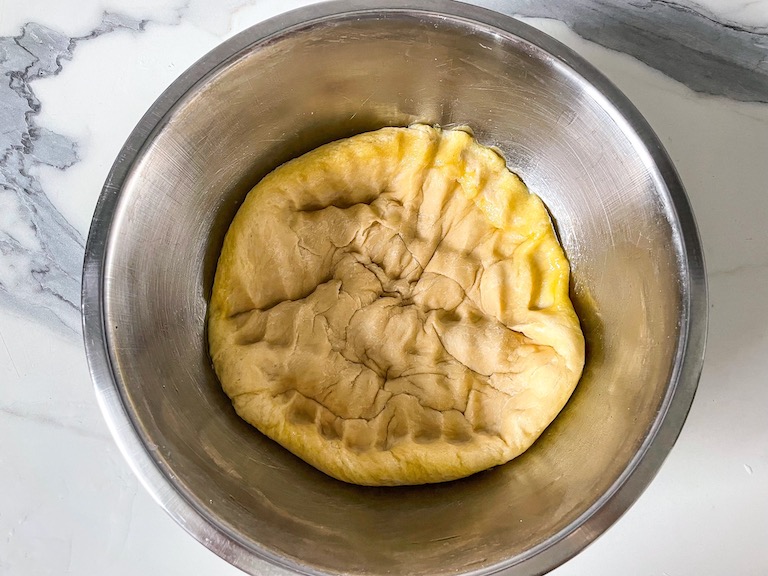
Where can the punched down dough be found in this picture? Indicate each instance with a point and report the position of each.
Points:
(393, 308)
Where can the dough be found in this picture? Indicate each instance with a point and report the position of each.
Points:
(393, 309)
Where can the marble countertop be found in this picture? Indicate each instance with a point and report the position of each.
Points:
(77, 76)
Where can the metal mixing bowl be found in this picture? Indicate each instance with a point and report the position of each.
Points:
(328, 71)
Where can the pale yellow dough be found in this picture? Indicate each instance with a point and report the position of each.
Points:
(393, 308)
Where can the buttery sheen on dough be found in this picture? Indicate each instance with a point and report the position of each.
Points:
(393, 309)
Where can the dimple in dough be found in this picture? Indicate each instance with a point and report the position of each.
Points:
(393, 308)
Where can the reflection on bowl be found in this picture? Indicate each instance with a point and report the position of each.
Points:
(329, 71)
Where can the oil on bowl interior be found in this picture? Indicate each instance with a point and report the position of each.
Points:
(333, 70)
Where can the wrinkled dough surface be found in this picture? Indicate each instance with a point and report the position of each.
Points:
(393, 308)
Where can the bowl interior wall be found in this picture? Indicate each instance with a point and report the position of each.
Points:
(319, 83)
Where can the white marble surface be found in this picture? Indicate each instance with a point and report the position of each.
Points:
(69, 503)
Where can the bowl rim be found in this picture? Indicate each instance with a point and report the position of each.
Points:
(675, 406)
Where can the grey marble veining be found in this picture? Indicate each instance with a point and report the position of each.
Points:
(684, 41)
(40, 252)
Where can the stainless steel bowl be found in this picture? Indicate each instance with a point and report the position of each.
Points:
(332, 70)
